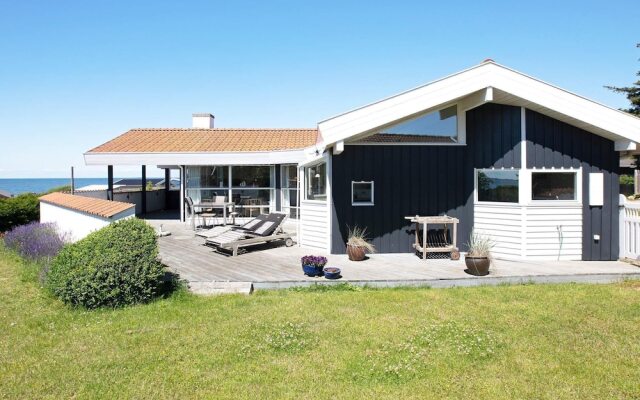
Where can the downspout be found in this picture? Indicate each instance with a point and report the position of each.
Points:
(181, 192)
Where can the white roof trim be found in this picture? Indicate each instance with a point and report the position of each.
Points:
(222, 158)
(454, 87)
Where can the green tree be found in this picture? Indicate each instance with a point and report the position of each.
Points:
(632, 92)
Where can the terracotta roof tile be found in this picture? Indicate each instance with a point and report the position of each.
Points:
(163, 140)
(89, 205)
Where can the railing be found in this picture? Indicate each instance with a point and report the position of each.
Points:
(630, 230)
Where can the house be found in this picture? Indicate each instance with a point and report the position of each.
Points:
(529, 164)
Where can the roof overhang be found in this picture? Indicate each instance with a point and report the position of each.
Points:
(492, 82)
(221, 158)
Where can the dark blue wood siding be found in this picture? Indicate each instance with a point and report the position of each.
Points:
(425, 180)
(551, 143)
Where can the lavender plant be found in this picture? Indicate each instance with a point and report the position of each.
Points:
(314, 261)
(36, 241)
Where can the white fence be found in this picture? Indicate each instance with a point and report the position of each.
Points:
(630, 230)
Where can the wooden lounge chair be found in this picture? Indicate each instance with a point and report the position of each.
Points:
(218, 230)
(262, 229)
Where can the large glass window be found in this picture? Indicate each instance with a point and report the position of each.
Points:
(289, 182)
(435, 127)
(316, 182)
(497, 185)
(553, 185)
(251, 176)
(252, 190)
(204, 183)
(252, 202)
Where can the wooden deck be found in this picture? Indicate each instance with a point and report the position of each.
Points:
(269, 266)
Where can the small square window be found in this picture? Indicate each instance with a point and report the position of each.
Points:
(499, 186)
(362, 193)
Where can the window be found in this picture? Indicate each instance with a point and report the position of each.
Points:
(316, 182)
(289, 180)
(497, 185)
(437, 127)
(553, 186)
(362, 193)
(251, 176)
(206, 182)
(252, 187)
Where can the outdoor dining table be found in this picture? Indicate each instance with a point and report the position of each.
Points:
(207, 205)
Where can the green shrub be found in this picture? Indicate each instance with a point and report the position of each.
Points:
(19, 210)
(112, 267)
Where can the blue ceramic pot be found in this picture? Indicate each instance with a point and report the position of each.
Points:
(331, 273)
(311, 270)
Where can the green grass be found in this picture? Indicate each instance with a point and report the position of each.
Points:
(529, 341)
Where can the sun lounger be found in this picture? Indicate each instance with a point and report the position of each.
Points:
(262, 229)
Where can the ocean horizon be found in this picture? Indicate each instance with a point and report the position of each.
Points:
(40, 185)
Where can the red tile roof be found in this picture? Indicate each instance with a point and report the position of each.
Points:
(163, 140)
(89, 205)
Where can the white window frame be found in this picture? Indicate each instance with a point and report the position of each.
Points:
(578, 186)
(305, 182)
(284, 189)
(502, 203)
(363, 203)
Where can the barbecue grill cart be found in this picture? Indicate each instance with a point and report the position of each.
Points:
(442, 240)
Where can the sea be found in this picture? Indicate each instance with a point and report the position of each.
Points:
(40, 185)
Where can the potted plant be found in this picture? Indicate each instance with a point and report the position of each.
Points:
(312, 265)
(331, 272)
(358, 245)
(478, 257)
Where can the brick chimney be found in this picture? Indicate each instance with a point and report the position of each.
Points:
(202, 120)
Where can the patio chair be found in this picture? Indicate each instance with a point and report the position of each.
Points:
(192, 214)
(262, 229)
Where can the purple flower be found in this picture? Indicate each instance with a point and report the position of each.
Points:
(314, 261)
(35, 241)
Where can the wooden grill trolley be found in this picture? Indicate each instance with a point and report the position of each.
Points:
(436, 243)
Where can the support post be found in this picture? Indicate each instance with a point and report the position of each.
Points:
(144, 190)
(73, 182)
(167, 187)
(110, 182)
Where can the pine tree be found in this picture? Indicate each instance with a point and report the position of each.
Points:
(633, 94)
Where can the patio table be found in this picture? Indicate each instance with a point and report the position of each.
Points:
(216, 205)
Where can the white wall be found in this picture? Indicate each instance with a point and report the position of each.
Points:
(534, 231)
(77, 224)
(314, 224)
(155, 198)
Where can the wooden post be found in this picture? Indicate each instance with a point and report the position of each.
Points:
(110, 182)
(144, 190)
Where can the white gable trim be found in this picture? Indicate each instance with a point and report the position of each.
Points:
(482, 79)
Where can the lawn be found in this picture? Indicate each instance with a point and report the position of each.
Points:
(529, 341)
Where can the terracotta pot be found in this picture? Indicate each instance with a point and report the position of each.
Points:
(478, 266)
(356, 253)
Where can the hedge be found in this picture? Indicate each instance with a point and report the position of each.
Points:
(112, 267)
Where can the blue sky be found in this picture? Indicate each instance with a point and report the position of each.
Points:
(75, 74)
